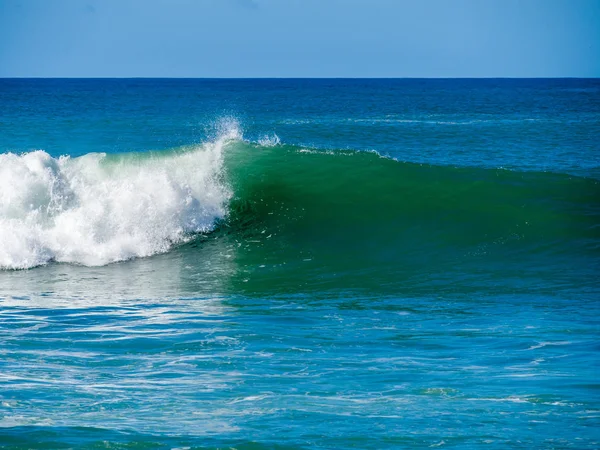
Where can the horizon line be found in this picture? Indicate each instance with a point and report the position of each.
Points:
(293, 78)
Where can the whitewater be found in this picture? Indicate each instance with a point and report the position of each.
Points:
(91, 211)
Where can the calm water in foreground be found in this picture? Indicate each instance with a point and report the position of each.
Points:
(259, 264)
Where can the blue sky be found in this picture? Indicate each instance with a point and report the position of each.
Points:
(299, 38)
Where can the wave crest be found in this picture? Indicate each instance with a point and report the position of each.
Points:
(100, 208)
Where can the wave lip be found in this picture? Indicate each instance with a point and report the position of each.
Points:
(98, 208)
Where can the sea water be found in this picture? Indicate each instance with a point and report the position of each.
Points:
(299, 263)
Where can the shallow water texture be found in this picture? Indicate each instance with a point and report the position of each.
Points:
(259, 264)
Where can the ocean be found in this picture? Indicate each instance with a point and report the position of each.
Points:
(299, 263)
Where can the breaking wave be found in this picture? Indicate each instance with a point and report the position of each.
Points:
(345, 205)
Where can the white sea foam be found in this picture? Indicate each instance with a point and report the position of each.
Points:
(269, 140)
(92, 211)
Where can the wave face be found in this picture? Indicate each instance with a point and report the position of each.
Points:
(98, 208)
(360, 197)
(365, 218)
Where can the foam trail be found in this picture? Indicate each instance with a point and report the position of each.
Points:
(98, 209)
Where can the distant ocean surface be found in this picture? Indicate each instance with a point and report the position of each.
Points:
(290, 264)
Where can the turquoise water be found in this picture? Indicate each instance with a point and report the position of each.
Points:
(299, 263)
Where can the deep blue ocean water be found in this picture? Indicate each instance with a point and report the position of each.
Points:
(334, 264)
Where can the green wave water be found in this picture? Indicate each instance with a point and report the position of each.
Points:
(357, 217)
